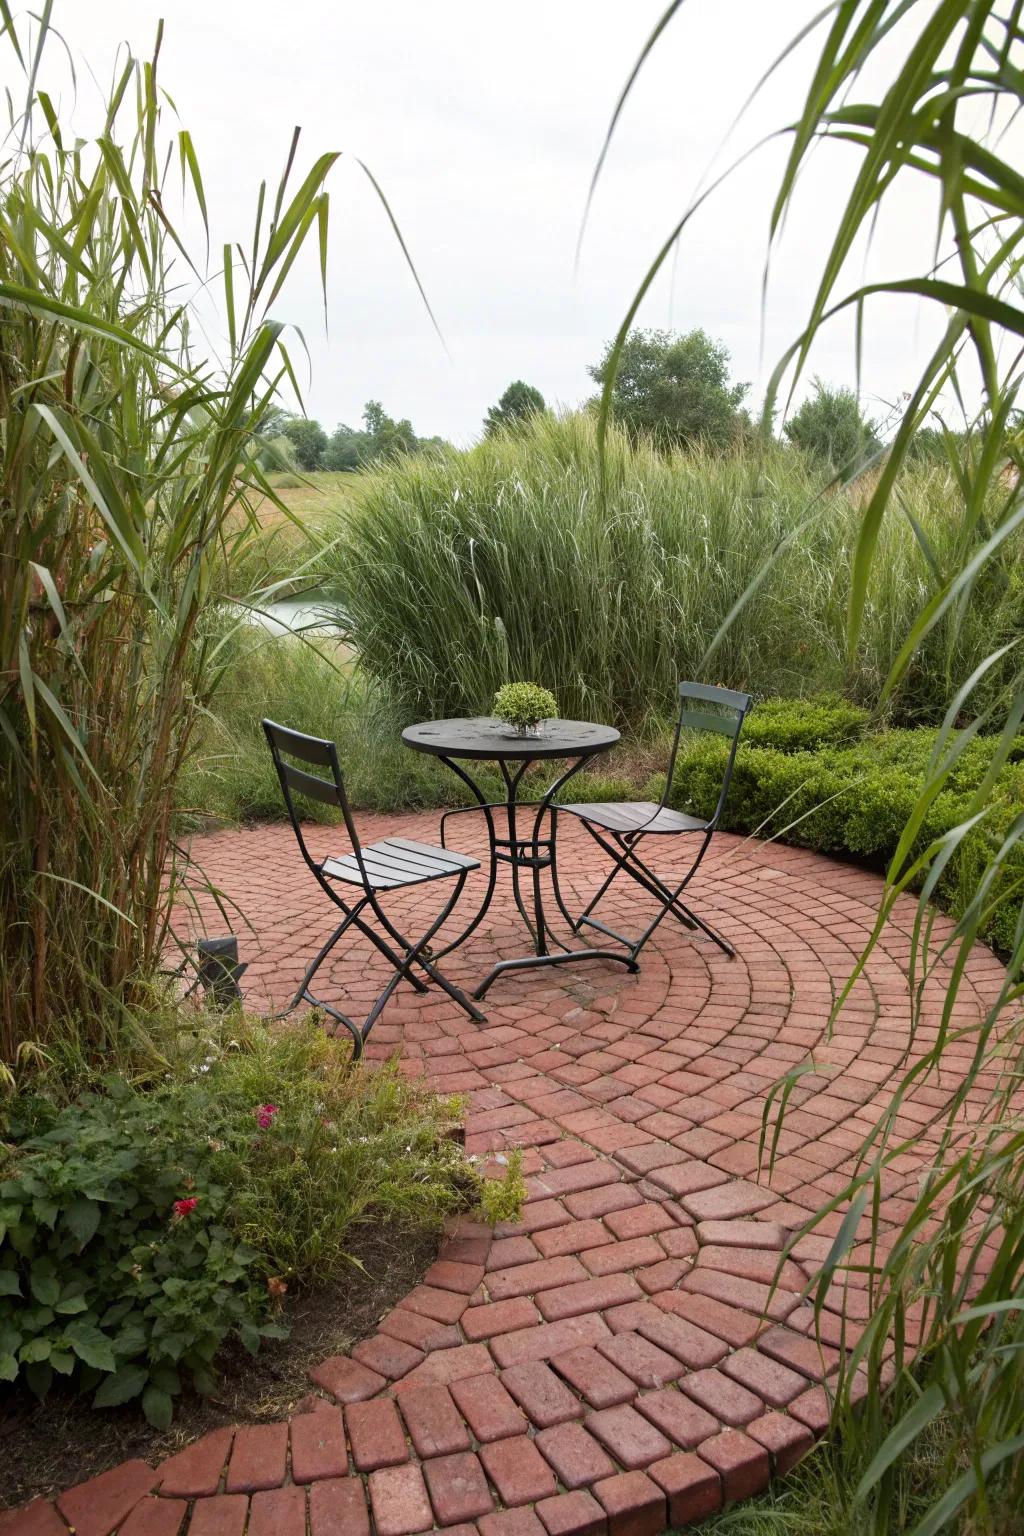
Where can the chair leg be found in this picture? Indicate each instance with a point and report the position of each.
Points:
(415, 953)
(305, 995)
(679, 909)
(318, 961)
(412, 954)
(625, 858)
(628, 861)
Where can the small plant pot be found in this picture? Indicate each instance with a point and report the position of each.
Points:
(532, 728)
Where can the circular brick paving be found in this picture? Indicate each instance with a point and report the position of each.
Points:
(617, 1361)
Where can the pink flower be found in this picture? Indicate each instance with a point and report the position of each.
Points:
(265, 1116)
(183, 1208)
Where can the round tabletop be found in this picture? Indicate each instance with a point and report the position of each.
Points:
(485, 738)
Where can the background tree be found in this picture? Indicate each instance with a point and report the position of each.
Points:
(674, 388)
(387, 437)
(308, 439)
(345, 449)
(518, 403)
(382, 437)
(831, 427)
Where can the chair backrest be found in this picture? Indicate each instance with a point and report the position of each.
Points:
(725, 714)
(314, 752)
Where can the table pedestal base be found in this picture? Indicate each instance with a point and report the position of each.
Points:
(564, 957)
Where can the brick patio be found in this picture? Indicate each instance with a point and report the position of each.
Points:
(616, 1362)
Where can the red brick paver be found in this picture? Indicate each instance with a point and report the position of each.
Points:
(634, 1351)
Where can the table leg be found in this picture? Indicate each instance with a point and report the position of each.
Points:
(492, 872)
(539, 928)
(535, 928)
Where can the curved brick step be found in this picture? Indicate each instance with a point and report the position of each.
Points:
(636, 1351)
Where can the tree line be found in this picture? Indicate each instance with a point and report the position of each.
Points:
(672, 388)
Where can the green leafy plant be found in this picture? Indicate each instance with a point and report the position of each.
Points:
(524, 704)
(833, 429)
(119, 1267)
(675, 389)
(142, 1225)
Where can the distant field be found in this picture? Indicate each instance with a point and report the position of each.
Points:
(321, 494)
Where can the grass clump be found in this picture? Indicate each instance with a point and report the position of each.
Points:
(128, 487)
(821, 1496)
(518, 559)
(145, 1220)
(309, 683)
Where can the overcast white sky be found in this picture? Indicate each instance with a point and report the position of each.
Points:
(482, 122)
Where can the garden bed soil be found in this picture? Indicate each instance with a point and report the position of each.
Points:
(47, 1447)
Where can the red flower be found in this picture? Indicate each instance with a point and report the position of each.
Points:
(265, 1116)
(183, 1208)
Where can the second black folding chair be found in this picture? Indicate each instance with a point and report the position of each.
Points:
(618, 826)
(356, 881)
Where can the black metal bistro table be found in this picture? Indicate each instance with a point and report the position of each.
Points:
(515, 828)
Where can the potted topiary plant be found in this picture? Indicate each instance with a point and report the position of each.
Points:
(524, 707)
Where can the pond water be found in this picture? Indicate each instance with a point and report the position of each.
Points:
(309, 611)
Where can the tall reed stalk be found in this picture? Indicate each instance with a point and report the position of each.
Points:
(126, 489)
(944, 1331)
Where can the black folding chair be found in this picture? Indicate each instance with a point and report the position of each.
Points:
(392, 864)
(618, 826)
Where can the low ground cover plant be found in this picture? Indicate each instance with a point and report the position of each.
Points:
(143, 1223)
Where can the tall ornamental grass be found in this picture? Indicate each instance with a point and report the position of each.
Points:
(127, 489)
(513, 560)
(942, 1343)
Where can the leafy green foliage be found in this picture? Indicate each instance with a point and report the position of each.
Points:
(129, 476)
(524, 703)
(100, 1279)
(517, 404)
(791, 724)
(308, 440)
(831, 427)
(140, 1225)
(808, 774)
(674, 389)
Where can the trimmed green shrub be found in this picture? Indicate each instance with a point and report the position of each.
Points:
(790, 725)
(855, 799)
(524, 704)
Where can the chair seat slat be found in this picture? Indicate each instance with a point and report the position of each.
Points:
(631, 816)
